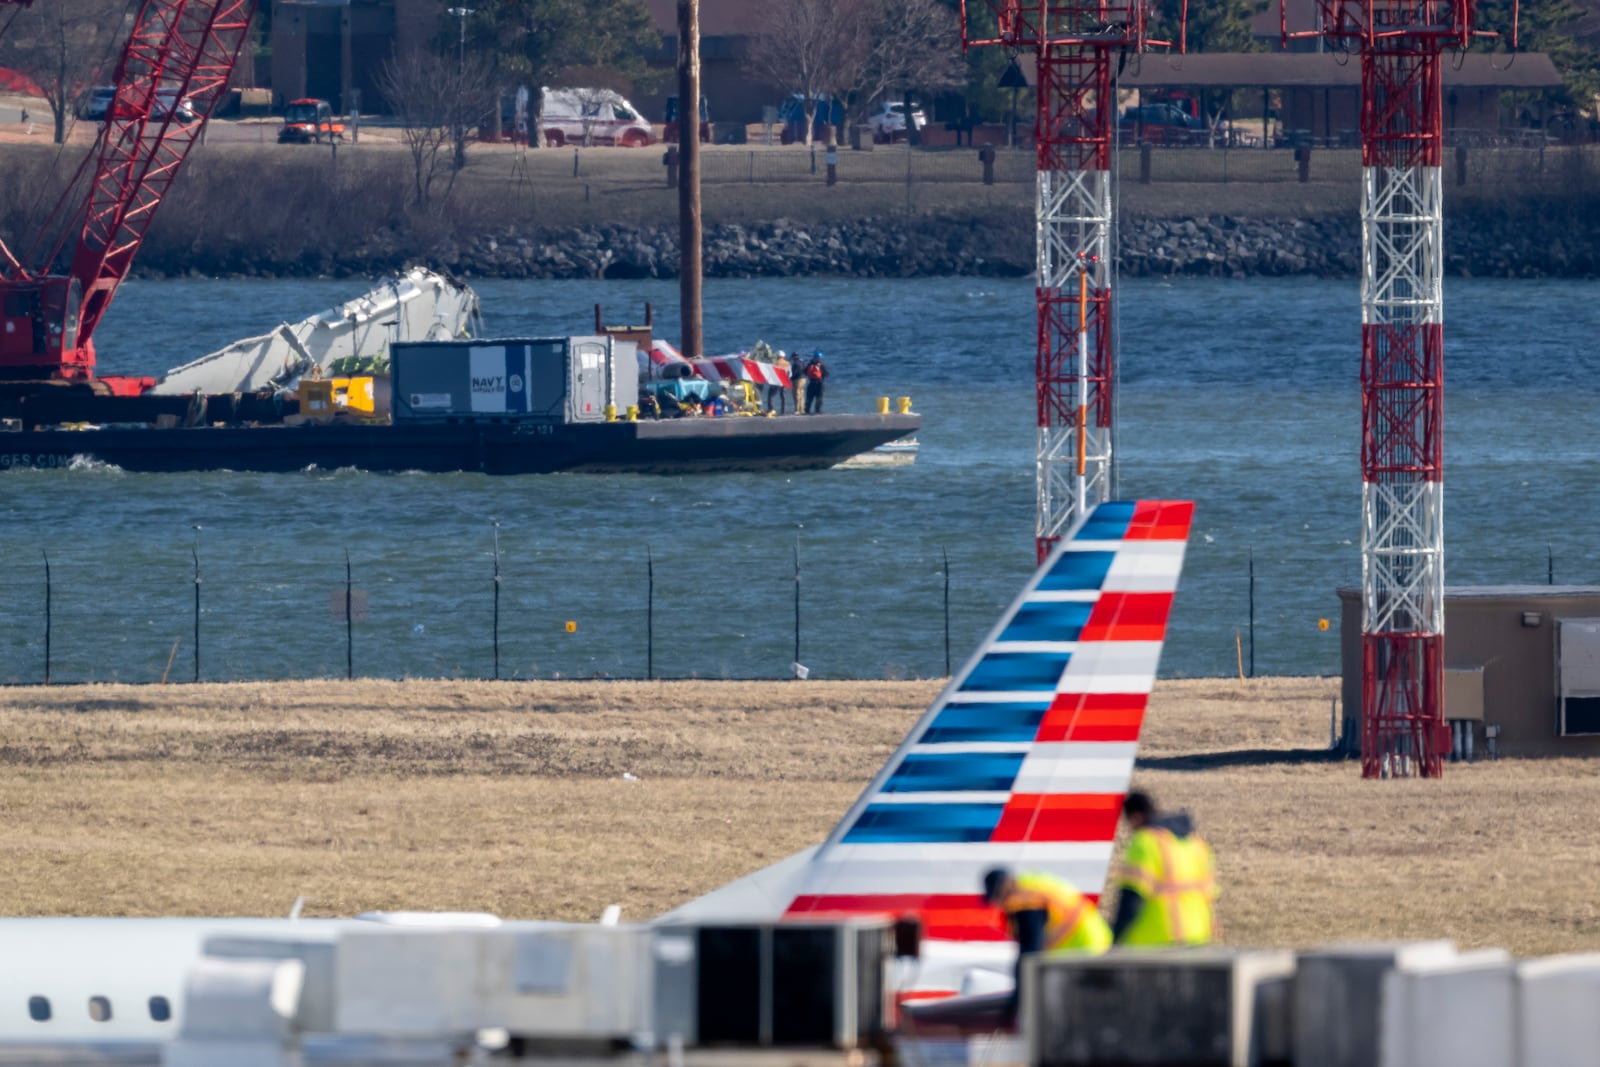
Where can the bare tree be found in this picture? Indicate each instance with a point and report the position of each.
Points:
(911, 45)
(65, 48)
(810, 47)
(589, 102)
(436, 98)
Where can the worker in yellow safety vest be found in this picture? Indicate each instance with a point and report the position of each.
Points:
(1045, 914)
(1167, 880)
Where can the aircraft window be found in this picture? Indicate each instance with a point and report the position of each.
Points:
(100, 1009)
(39, 1009)
(160, 1009)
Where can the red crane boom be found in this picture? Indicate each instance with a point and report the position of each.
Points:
(178, 50)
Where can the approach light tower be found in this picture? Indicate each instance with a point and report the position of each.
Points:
(1076, 45)
(1401, 42)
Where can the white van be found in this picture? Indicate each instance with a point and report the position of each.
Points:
(600, 115)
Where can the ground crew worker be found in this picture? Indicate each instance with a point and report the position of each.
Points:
(1167, 880)
(1046, 914)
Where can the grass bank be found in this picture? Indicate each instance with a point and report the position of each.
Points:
(247, 207)
(235, 799)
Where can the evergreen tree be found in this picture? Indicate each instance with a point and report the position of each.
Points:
(534, 40)
(1548, 26)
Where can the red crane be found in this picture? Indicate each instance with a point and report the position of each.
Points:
(177, 50)
(1078, 47)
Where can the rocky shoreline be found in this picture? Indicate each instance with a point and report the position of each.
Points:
(1485, 244)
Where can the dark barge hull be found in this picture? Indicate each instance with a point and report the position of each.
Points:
(492, 447)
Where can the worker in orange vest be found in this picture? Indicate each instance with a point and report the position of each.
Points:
(1046, 914)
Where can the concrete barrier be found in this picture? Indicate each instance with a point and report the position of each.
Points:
(1338, 998)
(1198, 1007)
(1558, 1025)
(1457, 1012)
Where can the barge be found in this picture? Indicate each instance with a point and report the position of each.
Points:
(657, 447)
(393, 381)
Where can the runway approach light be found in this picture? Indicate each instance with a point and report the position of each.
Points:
(572, 627)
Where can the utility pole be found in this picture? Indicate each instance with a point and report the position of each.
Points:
(461, 14)
(691, 342)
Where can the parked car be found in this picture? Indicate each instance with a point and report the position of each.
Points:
(167, 101)
(670, 126)
(93, 103)
(1162, 123)
(792, 116)
(605, 117)
(100, 102)
(889, 119)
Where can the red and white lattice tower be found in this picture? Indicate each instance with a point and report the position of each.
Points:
(1401, 43)
(1075, 44)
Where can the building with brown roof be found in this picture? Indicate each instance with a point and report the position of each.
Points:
(1320, 93)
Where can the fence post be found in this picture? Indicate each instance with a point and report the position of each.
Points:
(196, 554)
(1252, 611)
(349, 622)
(946, 552)
(797, 605)
(1144, 163)
(1549, 565)
(1461, 164)
(47, 618)
(753, 167)
(649, 614)
(497, 601)
(575, 162)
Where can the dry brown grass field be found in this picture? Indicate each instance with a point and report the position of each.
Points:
(235, 799)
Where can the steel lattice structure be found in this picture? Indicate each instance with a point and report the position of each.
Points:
(1075, 44)
(1401, 42)
(177, 50)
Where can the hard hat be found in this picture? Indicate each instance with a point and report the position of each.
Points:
(817, 354)
(993, 883)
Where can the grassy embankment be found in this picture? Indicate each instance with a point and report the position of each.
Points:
(287, 201)
(244, 203)
(234, 799)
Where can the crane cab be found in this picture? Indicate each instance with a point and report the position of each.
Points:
(39, 330)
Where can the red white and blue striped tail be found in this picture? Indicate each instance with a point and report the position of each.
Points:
(1025, 757)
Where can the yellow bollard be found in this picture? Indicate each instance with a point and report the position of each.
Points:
(633, 412)
(883, 405)
(611, 413)
(903, 404)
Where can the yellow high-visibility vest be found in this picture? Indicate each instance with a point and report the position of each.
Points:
(1080, 925)
(1177, 878)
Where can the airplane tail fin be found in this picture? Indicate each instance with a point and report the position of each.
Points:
(1024, 758)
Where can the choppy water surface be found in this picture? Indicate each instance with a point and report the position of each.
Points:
(1239, 394)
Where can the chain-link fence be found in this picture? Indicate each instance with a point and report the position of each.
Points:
(1483, 157)
(188, 615)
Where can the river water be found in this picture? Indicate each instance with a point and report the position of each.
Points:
(1241, 395)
